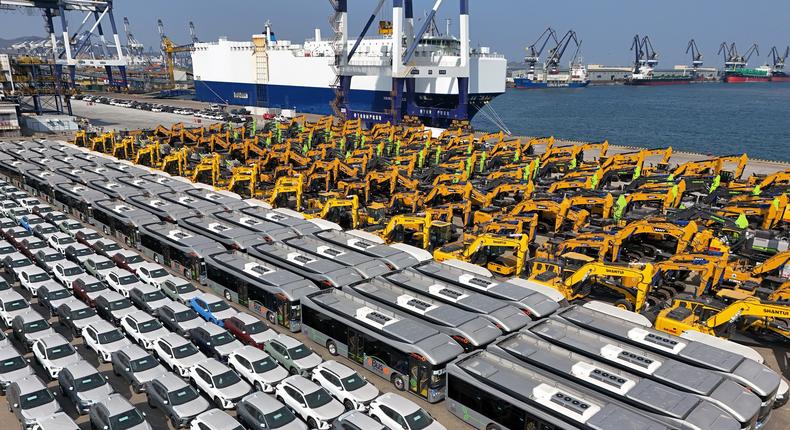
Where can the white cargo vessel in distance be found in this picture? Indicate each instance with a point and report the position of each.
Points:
(270, 73)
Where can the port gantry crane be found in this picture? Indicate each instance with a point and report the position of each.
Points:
(778, 61)
(734, 60)
(133, 46)
(639, 55)
(533, 55)
(552, 64)
(696, 55)
(192, 33)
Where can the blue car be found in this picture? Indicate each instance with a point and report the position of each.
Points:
(25, 223)
(212, 308)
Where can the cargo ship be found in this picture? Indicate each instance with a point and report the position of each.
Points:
(656, 80)
(645, 61)
(742, 74)
(278, 74)
(575, 78)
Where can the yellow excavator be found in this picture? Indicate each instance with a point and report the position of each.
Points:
(285, 187)
(716, 318)
(148, 154)
(208, 166)
(175, 162)
(244, 180)
(489, 251)
(576, 276)
(343, 211)
(421, 230)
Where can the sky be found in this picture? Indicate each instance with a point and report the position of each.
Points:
(606, 27)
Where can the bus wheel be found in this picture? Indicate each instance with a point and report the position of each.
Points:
(227, 295)
(399, 383)
(493, 427)
(156, 258)
(331, 347)
(270, 316)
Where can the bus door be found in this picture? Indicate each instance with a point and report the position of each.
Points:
(356, 346)
(419, 376)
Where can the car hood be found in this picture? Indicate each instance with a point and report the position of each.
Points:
(228, 347)
(308, 362)
(365, 393)
(39, 334)
(260, 338)
(190, 409)
(329, 411)
(11, 315)
(156, 334)
(16, 374)
(80, 324)
(224, 314)
(150, 374)
(97, 394)
(65, 361)
(236, 390)
(41, 411)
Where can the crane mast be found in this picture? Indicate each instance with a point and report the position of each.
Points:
(696, 55)
(533, 54)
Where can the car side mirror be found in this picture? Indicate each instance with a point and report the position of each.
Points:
(107, 378)
(106, 427)
(126, 369)
(71, 388)
(145, 414)
(165, 402)
(244, 332)
(15, 405)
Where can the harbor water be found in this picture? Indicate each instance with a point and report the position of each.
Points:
(710, 118)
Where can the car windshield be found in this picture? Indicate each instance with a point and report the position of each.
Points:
(221, 339)
(132, 259)
(7, 249)
(186, 315)
(35, 399)
(418, 420)
(110, 336)
(128, 279)
(256, 327)
(73, 271)
(298, 352)
(353, 382)
(264, 365)
(66, 240)
(154, 296)
(143, 364)
(16, 305)
(184, 350)
(111, 246)
(218, 306)
(35, 326)
(185, 288)
(91, 236)
(89, 382)
(149, 326)
(158, 273)
(126, 420)
(83, 313)
(120, 304)
(46, 229)
(60, 351)
(36, 245)
(104, 265)
(226, 379)
(54, 257)
(279, 418)
(11, 364)
(96, 286)
(182, 395)
(39, 277)
(82, 252)
(317, 398)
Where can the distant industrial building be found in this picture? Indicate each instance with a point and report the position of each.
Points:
(9, 122)
(601, 75)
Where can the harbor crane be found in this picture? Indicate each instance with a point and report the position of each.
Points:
(651, 56)
(555, 54)
(192, 33)
(639, 54)
(696, 55)
(133, 46)
(734, 60)
(533, 55)
(169, 51)
(778, 61)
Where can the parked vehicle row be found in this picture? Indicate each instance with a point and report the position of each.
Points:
(214, 112)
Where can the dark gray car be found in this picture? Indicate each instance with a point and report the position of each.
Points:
(81, 383)
(179, 401)
(12, 367)
(136, 366)
(260, 410)
(28, 327)
(116, 413)
(28, 399)
(178, 318)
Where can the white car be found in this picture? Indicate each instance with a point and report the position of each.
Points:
(400, 413)
(28, 203)
(33, 277)
(214, 419)
(257, 368)
(54, 353)
(309, 401)
(345, 385)
(178, 353)
(122, 281)
(219, 383)
(152, 274)
(66, 272)
(12, 304)
(61, 241)
(143, 328)
(104, 339)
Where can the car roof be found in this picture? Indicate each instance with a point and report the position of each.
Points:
(212, 328)
(111, 295)
(209, 298)
(360, 420)
(176, 280)
(218, 420)
(102, 326)
(81, 368)
(400, 404)
(52, 340)
(213, 366)
(245, 318)
(338, 369)
(98, 258)
(67, 264)
(116, 403)
(60, 235)
(170, 381)
(263, 402)
(177, 307)
(150, 266)
(250, 352)
(301, 383)
(174, 339)
(9, 295)
(133, 351)
(287, 341)
(29, 383)
(140, 315)
(145, 288)
(32, 270)
(58, 420)
(30, 315)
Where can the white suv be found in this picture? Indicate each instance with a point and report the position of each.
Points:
(257, 367)
(309, 401)
(345, 384)
(66, 272)
(399, 413)
(122, 281)
(143, 328)
(61, 241)
(152, 274)
(54, 353)
(104, 339)
(33, 277)
(219, 383)
(177, 353)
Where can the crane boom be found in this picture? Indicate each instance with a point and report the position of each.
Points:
(192, 33)
(696, 55)
(556, 53)
(533, 55)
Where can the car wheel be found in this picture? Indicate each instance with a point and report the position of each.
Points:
(292, 371)
(399, 383)
(258, 386)
(218, 402)
(227, 295)
(331, 347)
(349, 406)
(271, 317)
(311, 423)
(174, 421)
